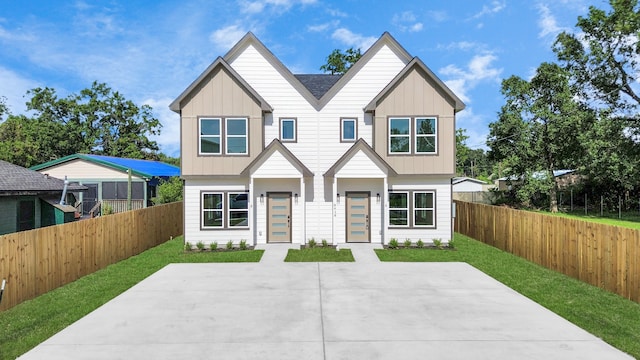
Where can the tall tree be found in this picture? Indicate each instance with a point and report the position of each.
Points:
(4, 109)
(603, 57)
(339, 62)
(462, 151)
(538, 131)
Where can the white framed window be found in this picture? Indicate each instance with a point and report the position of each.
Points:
(424, 209)
(238, 210)
(348, 129)
(210, 136)
(426, 135)
(400, 135)
(212, 207)
(399, 208)
(288, 130)
(236, 136)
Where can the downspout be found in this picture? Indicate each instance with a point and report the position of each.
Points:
(4, 282)
(64, 191)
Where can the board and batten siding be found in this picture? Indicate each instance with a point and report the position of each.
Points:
(79, 169)
(442, 187)
(417, 95)
(218, 95)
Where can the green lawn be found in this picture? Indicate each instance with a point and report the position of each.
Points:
(614, 319)
(319, 254)
(628, 220)
(30, 323)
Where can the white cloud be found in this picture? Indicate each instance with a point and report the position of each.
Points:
(323, 27)
(437, 16)
(462, 45)
(547, 22)
(351, 39)
(479, 69)
(495, 7)
(169, 138)
(258, 6)
(14, 87)
(406, 21)
(226, 37)
(476, 126)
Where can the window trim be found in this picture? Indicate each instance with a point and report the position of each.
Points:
(435, 135)
(355, 129)
(413, 135)
(407, 209)
(227, 136)
(225, 210)
(200, 152)
(414, 209)
(295, 129)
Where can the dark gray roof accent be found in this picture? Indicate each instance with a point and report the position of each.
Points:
(16, 180)
(318, 84)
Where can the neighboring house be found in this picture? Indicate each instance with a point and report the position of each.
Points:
(564, 178)
(30, 200)
(107, 179)
(269, 156)
(466, 184)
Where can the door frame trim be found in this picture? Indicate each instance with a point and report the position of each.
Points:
(346, 218)
(290, 217)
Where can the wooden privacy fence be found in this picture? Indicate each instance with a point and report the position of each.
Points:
(37, 261)
(602, 255)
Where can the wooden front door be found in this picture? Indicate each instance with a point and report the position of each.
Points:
(279, 217)
(357, 217)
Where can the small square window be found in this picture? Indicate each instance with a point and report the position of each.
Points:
(348, 130)
(288, 130)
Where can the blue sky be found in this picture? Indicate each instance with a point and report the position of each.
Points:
(150, 51)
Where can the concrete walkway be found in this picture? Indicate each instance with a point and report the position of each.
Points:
(362, 310)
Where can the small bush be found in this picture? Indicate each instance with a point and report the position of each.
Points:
(393, 244)
(407, 243)
(200, 245)
(452, 244)
(243, 244)
(437, 243)
(325, 243)
(230, 245)
(106, 209)
(188, 246)
(312, 243)
(420, 244)
(213, 246)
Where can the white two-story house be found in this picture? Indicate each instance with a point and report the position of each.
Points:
(269, 156)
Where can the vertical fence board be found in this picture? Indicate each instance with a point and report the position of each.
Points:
(602, 255)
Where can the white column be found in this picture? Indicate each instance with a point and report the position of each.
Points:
(302, 208)
(334, 210)
(385, 209)
(252, 211)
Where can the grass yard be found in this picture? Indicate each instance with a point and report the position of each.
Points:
(631, 221)
(614, 319)
(319, 254)
(30, 323)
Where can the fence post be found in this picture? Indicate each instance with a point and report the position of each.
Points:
(585, 204)
(601, 205)
(619, 207)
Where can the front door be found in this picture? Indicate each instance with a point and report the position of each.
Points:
(279, 217)
(357, 217)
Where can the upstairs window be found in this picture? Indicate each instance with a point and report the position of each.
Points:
(413, 135)
(348, 129)
(236, 136)
(288, 131)
(210, 140)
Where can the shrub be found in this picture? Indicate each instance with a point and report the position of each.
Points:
(188, 246)
(200, 245)
(106, 209)
(420, 244)
(213, 246)
(230, 245)
(451, 244)
(312, 243)
(437, 243)
(324, 243)
(407, 243)
(393, 244)
(243, 244)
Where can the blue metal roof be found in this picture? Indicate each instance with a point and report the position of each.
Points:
(147, 167)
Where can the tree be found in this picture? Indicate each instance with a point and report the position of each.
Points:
(169, 191)
(462, 151)
(339, 62)
(4, 109)
(603, 57)
(538, 131)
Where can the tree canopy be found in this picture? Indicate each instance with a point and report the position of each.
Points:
(339, 62)
(98, 120)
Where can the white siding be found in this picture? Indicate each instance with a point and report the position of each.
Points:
(467, 186)
(276, 166)
(360, 166)
(80, 169)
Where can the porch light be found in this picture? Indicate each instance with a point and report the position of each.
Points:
(295, 196)
(261, 198)
(378, 197)
(338, 197)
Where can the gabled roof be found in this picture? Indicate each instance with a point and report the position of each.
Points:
(317, 103)
(415, 63)
(360, 145)
(539, 175)
(276, 145)
(141, 168)
(318, 84)
(457, 180)
(17, 180)
(175, 105)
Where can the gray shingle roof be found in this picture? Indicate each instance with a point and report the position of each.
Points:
(318, 84)
(16, 180)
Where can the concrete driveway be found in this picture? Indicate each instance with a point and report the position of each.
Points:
(361, 310)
